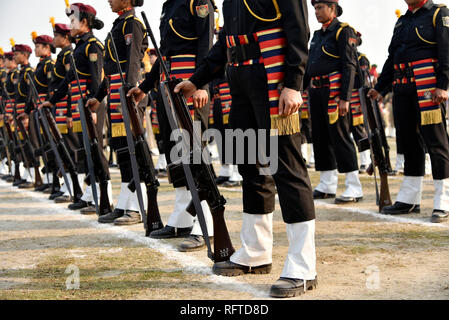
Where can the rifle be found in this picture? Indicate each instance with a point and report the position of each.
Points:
(20, 147)
(376, 142)
(5, 143)
(47, 133)
(199, 178)
(141, 160)
(93, 151)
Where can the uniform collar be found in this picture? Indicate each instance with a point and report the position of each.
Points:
(126, 13)
(24, 66)
(86, 36)
(332, 26)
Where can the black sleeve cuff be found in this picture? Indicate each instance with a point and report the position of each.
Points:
(293, 80)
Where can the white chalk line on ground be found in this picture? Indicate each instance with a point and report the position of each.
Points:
(189, 263)
(388, 218)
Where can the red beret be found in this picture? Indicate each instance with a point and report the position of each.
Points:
(80, 7)
(153, 52)
(44, 39)
(22, 48)
(61, 29)
(339, 8)
(9, 55)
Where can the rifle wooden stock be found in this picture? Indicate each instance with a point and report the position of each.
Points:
(65, 154)
(380, 151)
(145, 163)
(205, 180)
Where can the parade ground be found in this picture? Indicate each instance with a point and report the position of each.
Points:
(50, 252)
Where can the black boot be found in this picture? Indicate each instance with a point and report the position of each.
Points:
(401, 208)
(169, 232)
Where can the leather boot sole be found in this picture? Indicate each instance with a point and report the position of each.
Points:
(438, 219)
(293, 292)
(235, 271)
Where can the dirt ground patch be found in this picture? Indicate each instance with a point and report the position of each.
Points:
(360, 254)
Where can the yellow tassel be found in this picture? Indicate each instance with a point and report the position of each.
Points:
(52, 21)
(77, 127)
(34, 35)
(305, 114)
(398, 13)
(1, 51)
(156, 130)
(118, 130)
(67, 4)
(356, 121)
(333, 117)
(13, 43)
(2, 123)
(431, 117)
(63, 128)
(285, 125)
(226, 119)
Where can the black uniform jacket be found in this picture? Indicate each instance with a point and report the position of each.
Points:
(89, 57)
(418, 36)
(186, 28)
(242, 18)
(131, 42)
(334, 50)
(23, 91)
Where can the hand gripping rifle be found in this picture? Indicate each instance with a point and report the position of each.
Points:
(141, 160)
(96, 169)
(376, 141)
(51, 139)
(199, 178)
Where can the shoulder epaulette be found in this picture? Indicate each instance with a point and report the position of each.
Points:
(342, 26)
(439, 6)
(128, 18)
(92, 40)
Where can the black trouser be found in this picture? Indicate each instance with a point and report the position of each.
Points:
(306, 131)
(415, 138)
(358, 132)
(120, 146)
(250, 110)
(332, 143)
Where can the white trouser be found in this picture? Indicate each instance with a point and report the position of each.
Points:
(196, 231)
(28, 175)
(235, 175)
(127, 200)
(428, 165)
(3, 166)
(64, 188)
(225, 170)
(300, 262)
(353, 185)
(180, 218)
(161, 163)
(399, 162)
(305, 151)
(257, 241)
(88, 196)
(312, 154)
(48, 178)
(441, 198)
(411, 190)
(365, 159)
(80, 181)
(328, 182)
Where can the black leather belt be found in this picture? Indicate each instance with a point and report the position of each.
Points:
(406, 73)
(319, 83)
(244, 53)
